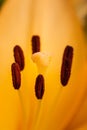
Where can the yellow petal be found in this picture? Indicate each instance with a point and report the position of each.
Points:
(56, 24)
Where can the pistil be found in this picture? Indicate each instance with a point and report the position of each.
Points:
(42, 61)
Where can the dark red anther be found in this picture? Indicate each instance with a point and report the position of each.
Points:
(16, 76)
(19, 56)
(35, 44)
(66, 65)
(39, 86)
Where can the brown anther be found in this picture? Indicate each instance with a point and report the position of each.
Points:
(16, 76)
(35, 44)
(66, 65)
(19, 56)
(39, 86)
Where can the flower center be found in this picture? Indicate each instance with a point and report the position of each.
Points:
(42, 61)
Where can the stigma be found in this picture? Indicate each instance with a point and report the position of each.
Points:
(42, 61)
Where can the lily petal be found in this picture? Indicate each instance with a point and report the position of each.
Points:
(56, 24)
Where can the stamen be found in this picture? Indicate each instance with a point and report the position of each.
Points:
(16, 76)
(35, 44)
(39, 91)
(39, 86)
(19, 56)
(23, 110)
(66, 65)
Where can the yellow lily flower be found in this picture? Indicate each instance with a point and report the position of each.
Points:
(63, 106)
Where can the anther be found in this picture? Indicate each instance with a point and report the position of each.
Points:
(19, 56)
(35, 44)
(39, 86)
(16, 76)
(66, 65)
